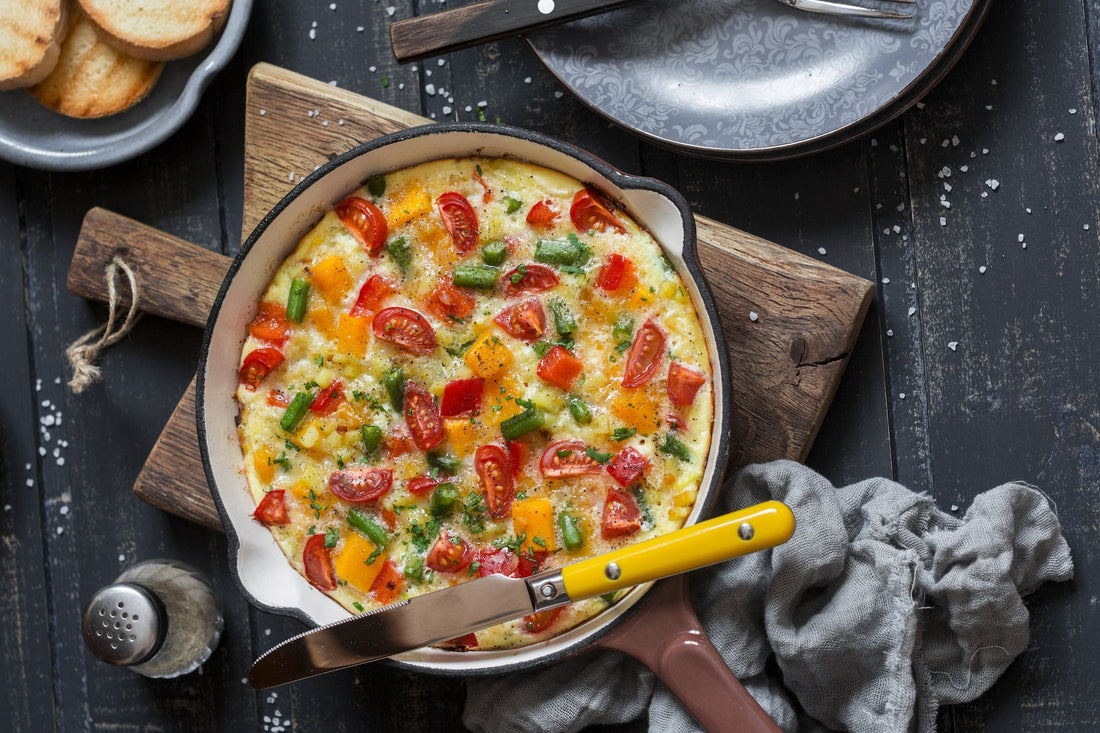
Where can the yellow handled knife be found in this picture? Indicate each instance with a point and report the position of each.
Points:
(456, 611)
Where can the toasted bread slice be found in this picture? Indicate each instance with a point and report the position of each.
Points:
(31, 32)
(93, 78)
(158, 30)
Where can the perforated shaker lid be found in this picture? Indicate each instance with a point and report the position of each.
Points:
(124, 624)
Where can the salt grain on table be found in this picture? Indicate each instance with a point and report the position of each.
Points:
(952, 345)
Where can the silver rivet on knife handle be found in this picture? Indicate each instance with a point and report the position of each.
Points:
(613, 571)
(746, 532)
(548, 590)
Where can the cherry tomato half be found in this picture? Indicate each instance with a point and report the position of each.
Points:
(529, 279)
(462, 643)
(496, 561)
(517, 455)
(683, 383)
(621, 515)
(365, 221)
(257, 365)
(450, 304)
(462, 397)
(627, 465)
(318, 563)
(422, 417)
(525, 321)
(566, 458)
(543, 214)
(559, 368)
(421, 485)
(270, 324)
(376, 289)
(277, 398)
(460, 219)
(328, 399)
(406, 329)
(645, 355)
(497, 483)
(589, 213)
(617, 272)
(359, 484)
(271, 510)
(542, 620)
(388, 584)
(449, 554)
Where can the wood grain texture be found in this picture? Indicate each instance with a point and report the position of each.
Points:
(786, 364)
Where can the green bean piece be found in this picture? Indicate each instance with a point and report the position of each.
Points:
(494, 252)
(521, 424)
(512, 205)
(673, 447)
(443, 499)
(363, 522)
(570, 531)
(620, 434)
(372, 438)
(479, 277)
(394, 382)
(295, 411)
(445, 462)
(556, 252)
(580, 412)
(376, 185)
(401, 252)
(564, 321)
(297, 300)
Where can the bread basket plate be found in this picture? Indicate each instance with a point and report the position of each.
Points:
(36, 137)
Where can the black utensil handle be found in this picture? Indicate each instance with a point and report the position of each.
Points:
(451, 30)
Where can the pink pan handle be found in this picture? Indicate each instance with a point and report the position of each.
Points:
(666, 636)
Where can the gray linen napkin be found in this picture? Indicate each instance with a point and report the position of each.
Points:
(879, 609)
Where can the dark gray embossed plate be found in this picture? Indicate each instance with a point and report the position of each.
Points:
(753, 78)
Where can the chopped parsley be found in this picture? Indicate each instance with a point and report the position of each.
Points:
(332, 535)
(620, 434)
(596, 455)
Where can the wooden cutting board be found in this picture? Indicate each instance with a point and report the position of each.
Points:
(785, 364)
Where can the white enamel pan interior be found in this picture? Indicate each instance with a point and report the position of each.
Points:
(261, 570)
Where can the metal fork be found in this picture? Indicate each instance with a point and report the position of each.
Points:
(828, 7)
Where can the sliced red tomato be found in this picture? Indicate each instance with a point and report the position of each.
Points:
(525, 320)
(318, 563)
(388, 584)
(497, 483)
(406, 329)
(257, 365)
(270, 324)
(566, 458)
(529, 279)
(676, 424)
(389, 517)
(542, 620)
(328, 399)
(359, 484)
(590, 213)
(627, 465)
(271, 510)
(517, 456)
(621, 514)
(365, 221)
(617, 272)
(530, 562)
(560, 368)
(277, 398)
(422, 417)
(462, 643)
(449, 554)
(543, 214)
(421, 485)
(376, 289)
(460, 219)
(462, 397)
(496, 561)
(645, 355)
(683, 383)
(450, 304)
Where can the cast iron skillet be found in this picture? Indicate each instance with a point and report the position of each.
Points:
(667, 637)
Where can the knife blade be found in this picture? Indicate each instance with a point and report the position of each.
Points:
(460, 609)
(450, 30)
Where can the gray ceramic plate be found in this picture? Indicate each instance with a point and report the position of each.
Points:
(753, 78)
(36, 137)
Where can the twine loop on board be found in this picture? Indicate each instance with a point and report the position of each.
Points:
(83, 352)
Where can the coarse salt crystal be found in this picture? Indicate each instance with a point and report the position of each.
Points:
(391, 10)
(889, 332)
(1073, 110)
(982, 269)
(753, 317)
(359, 29)
(901, 395)
(429, 89)
(943, 221)
(1019, 237)
(954, 507)
(263, 112)
(821, 251)
(1059, 137)
(964, 168)
(912, 310)
(993, 183)
(945, 203)
(526, 80)
(885, 281)
(312, 34)
(952, 345)
(1028, 211)
(947, 187)
(955, 141)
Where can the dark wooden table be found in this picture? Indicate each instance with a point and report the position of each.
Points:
(962, 379)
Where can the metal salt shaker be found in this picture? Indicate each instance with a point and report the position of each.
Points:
(160, 618)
